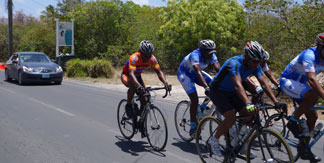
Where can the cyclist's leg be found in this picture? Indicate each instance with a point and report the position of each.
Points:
(189, 86)
(130, 94)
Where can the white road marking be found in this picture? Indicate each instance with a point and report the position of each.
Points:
(8, 90)
(53, 107)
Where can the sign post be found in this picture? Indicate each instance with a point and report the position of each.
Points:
(64, 35)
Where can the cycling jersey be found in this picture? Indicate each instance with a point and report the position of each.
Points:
(293, 81)
(136, 63)
(265, 67)
(307, 61)
(232, 67)
(186, 73)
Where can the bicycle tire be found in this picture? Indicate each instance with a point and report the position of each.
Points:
(277, 123)
(125, 124)
(273, 146)
(182, 120)
(154, 120)
(205, 130)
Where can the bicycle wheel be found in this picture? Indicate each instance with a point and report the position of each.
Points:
(182, 120)
(207, 128)
(268, 147)
(156, 128)
(277, 123)
(125, 124)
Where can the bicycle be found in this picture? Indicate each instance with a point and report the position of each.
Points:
(151, 122)
(268, 145)
(182, 117)
(283, 130)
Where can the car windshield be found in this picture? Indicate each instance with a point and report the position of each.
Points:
(40, 58)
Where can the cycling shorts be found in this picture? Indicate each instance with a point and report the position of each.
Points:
(188, 80)
(226, 101)
(126, 80)
(294, 89)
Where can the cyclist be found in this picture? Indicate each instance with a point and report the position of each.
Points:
(251, 87)
(293, 82)
(131, 74)
(227, 91)
(191, 71)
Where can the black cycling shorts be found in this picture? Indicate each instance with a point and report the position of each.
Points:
(226, 101)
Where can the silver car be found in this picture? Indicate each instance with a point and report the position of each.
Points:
(26, 67)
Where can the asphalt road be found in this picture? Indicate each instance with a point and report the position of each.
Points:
(76, 123)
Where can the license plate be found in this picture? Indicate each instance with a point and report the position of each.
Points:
(45, 75)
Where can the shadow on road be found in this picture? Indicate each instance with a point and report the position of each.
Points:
(186, 147)
(135, 147)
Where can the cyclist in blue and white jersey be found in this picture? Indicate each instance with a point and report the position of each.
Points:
(227, 91)
(298, 81)
(190, 72)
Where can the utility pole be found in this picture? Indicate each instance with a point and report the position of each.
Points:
(10, 27)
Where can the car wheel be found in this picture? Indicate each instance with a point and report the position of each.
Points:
(58, 82)
(20, 80)
(7, 77)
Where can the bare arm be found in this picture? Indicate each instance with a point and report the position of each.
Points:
(314, 84)
(216, 66)
(265, 86)
(237, 80)
(133, 78)
(201, 79)
(161, 76)
(271, 77)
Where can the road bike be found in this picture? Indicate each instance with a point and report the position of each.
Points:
(148, 120)
(266, 144)
(182, 117)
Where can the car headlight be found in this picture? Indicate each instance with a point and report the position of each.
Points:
(59, 69)
(26, 69)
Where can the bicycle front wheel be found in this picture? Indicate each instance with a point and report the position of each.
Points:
(125, 124)
(207, 128)
(182, 120)
(269, 146)
(277, 123)
(156, 128)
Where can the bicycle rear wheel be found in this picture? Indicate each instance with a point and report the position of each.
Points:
(206, 129)
(277, 123)
(268, 147)
(182, 120)
(125, 124)
(156, 128)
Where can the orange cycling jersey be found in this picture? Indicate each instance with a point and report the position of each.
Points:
(136, 63)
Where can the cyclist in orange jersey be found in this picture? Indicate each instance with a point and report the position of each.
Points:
(131, 74)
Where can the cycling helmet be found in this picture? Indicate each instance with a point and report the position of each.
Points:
(207, 45)
(254, 50)
(320, 39)
(266, 56)
(146, 47)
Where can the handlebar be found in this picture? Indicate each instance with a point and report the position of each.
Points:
(148, 89)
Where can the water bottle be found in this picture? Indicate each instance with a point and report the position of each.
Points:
(199, 113)
(242, 133)
(316, 130)
(304, 126)
(233, 135)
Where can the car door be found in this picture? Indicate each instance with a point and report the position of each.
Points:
(9, 66)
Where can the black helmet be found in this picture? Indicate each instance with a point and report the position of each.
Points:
(266, 56)
(207, 45)
(320, 39)
(254, 50)
(146, 47)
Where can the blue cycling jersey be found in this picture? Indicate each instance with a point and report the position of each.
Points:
(306, 61)
(232, 67)
(194, 58)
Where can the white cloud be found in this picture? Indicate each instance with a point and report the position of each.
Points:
(141, 2)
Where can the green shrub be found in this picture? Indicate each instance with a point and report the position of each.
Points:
(89, 68)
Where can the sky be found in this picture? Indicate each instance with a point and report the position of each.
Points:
(34, 7)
